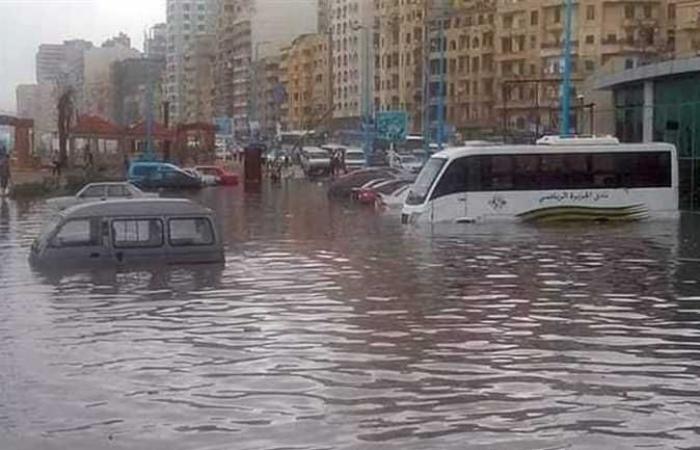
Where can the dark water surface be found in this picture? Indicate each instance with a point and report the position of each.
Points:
(335, 328)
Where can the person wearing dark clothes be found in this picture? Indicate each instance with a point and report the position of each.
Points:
(4, 171)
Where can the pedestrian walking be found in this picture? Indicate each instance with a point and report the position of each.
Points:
(127, 165)
(4, 171)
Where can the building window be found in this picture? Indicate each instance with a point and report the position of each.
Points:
(590, 66)
(647, 11)
(534, 18)
(590, 12)
(557, 14)
(629, 11)
(590, 39)
(672, 11)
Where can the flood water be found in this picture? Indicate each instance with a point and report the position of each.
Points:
(333, 327)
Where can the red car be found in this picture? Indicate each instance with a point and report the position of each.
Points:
(224, 177)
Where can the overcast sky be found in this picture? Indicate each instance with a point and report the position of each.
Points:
(24, 24)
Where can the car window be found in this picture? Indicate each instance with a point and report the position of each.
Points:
(191, 232)
(78, 233)
(116, 191)
(93, 192)
(137, 233)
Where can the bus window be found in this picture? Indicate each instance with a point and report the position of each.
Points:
(603, 169)
(502, 172)
(526, 172)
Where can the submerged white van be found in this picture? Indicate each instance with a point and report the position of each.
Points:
(129, 232)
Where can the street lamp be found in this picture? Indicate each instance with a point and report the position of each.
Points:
(253, 115)
(367, 103)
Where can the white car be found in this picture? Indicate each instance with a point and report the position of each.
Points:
(408, 163)
(94, 192)
(355, 159)
(207, 180)
(315, 161)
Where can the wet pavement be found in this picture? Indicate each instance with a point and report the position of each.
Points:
(333, 327)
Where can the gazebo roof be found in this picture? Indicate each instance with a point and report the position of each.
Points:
(95, 126)
(158, 130)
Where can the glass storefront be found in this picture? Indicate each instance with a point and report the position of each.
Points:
(676, 120)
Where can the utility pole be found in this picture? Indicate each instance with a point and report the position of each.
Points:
(368, 83)
(440, 137)
(566, 84)
(253, 94)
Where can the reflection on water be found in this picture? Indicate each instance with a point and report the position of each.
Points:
(335, 328)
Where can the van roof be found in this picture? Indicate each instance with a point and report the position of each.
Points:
(137, 207)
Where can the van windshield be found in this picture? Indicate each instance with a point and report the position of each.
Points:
(426, 179)
(49, 227)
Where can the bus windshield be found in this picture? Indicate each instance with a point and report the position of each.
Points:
(426, 179)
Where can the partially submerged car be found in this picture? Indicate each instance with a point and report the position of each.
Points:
(128, 232)
(221, 175)
(156, 175)
(99, 192)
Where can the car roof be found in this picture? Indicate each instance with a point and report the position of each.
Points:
(108, 183)
(140, 207)
(151, 163)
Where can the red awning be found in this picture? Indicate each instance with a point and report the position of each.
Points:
(95, 126)
(158, 131)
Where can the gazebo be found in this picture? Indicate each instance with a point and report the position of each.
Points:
(138, 132)
(98, 132)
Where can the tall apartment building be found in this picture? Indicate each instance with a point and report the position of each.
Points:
(268, 95)
(401, 57)
(248, 32)
(34, 101)
(187, 20)
(353, 58)
(683, 17)
(501, 59)
(156, 44)
(97, 95)
(131, 81)
(307, 83)
(61, 63)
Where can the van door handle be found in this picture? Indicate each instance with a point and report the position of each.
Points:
(94, 255)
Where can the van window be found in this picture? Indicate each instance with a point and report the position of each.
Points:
(191, 232)
(78, 233)
(137, 233)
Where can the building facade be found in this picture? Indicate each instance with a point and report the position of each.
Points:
(400, 59)
(249, 32)
(38, 102)
(307, 83)
(187, 20)
(354, 35)
(98, 90)
(62, 64)
(156, 44)
(135, 82)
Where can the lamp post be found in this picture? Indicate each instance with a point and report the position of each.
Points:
(566, 83)
(253, 95)
(367, 81)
